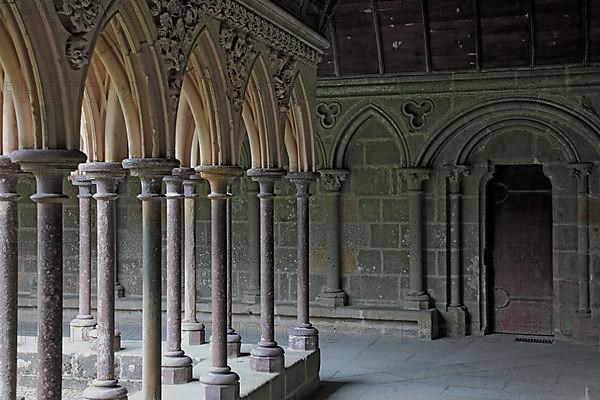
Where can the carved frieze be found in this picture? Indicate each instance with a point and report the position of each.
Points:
(328, 113)
(284, 69)
(78, 17)
(240, 54)
(417, 112)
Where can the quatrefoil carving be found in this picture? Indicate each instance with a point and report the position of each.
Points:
(417, 112)
(328, 113)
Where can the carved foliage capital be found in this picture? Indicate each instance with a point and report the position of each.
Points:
(415, 177)
(455, 173)
(332, 179)
(581, 172)
(284, 69)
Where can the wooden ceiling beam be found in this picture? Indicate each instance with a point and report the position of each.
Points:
(531, 18)
(378, 39)
(477, 29)
(426, 35)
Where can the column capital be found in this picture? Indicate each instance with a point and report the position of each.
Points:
(581, 172)
(190, 185)
(105, 175)
(83, 182)
(8, 185)
(175, 181)
(219, 177)
(151, 172)
(265, 174)
(302, 180)
(455, 174)
(415, 177)
(332, 179)
(49, 168)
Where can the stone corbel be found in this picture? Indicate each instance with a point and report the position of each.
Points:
(581, 172)
(332, 179)
(455, 174)
(415, 178)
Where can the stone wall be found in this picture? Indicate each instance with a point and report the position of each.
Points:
(374, 128)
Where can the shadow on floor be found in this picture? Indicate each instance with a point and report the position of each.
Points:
(326, 389)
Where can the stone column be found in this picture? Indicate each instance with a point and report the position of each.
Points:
(84, 322)
(303, 336)
(192, 331)
(9, 223)
(177, 367)
(581, 172)
(416, 298)
(151, 172)
(251, 294)
(49, 167)
(456, 307)
(106, 176)
(220, 383)
(119, 288)
(331, 181)
(267, 356)
(234, 340)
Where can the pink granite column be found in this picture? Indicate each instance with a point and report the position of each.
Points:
(192, 331)
(267, 356)
(9, 223)
(251, 294)
(85, 321)
(303, 336)
(220, 383)
(106, 176)
(50, 168)
(151, 172)
(234, 340)
(176, 367)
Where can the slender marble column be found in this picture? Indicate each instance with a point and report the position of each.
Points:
(105, 175)
(303, 336)
(234, 340)
(85, 321)
(581, 172)
(151, 172)
(417, 298)
(9, 223)
(177, 367)
(220, 383)
(49, 168)
(251, 295)
(331, 181)
(458, 319)
(267, 356)
(192, 331)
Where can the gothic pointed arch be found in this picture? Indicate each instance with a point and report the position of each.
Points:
(361, 117)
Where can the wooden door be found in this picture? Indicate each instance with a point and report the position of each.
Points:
(520, 229)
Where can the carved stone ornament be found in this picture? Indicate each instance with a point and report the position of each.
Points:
(332, 179)
(581, 172)
(415, 177)
(240, 54)
(455, 173)
(284, 69)
(417, 112)
(78, 17)
(328, 113)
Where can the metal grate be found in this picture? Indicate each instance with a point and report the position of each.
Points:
(533, 339)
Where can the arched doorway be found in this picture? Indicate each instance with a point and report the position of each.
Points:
(520, 250)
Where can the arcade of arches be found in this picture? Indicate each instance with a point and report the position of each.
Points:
(187, 158)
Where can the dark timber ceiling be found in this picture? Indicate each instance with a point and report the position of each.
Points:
(314, 13)
(377, 37)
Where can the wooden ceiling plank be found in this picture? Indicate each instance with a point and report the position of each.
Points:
(531, 18)
(334, 48)
(426, 35)
(477, 23)
(585, 15)
(378, 40)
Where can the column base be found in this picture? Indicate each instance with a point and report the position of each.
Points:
(105, 390)
(303, 338)
(234, 344)
(267, 358)
(457, 321)
(251, 297)
(176, 368)
(80, 328)
(223, 385)
(417, 301)
(333, 299)
(192, 334)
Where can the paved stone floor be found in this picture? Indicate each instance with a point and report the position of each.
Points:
(475, 368)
